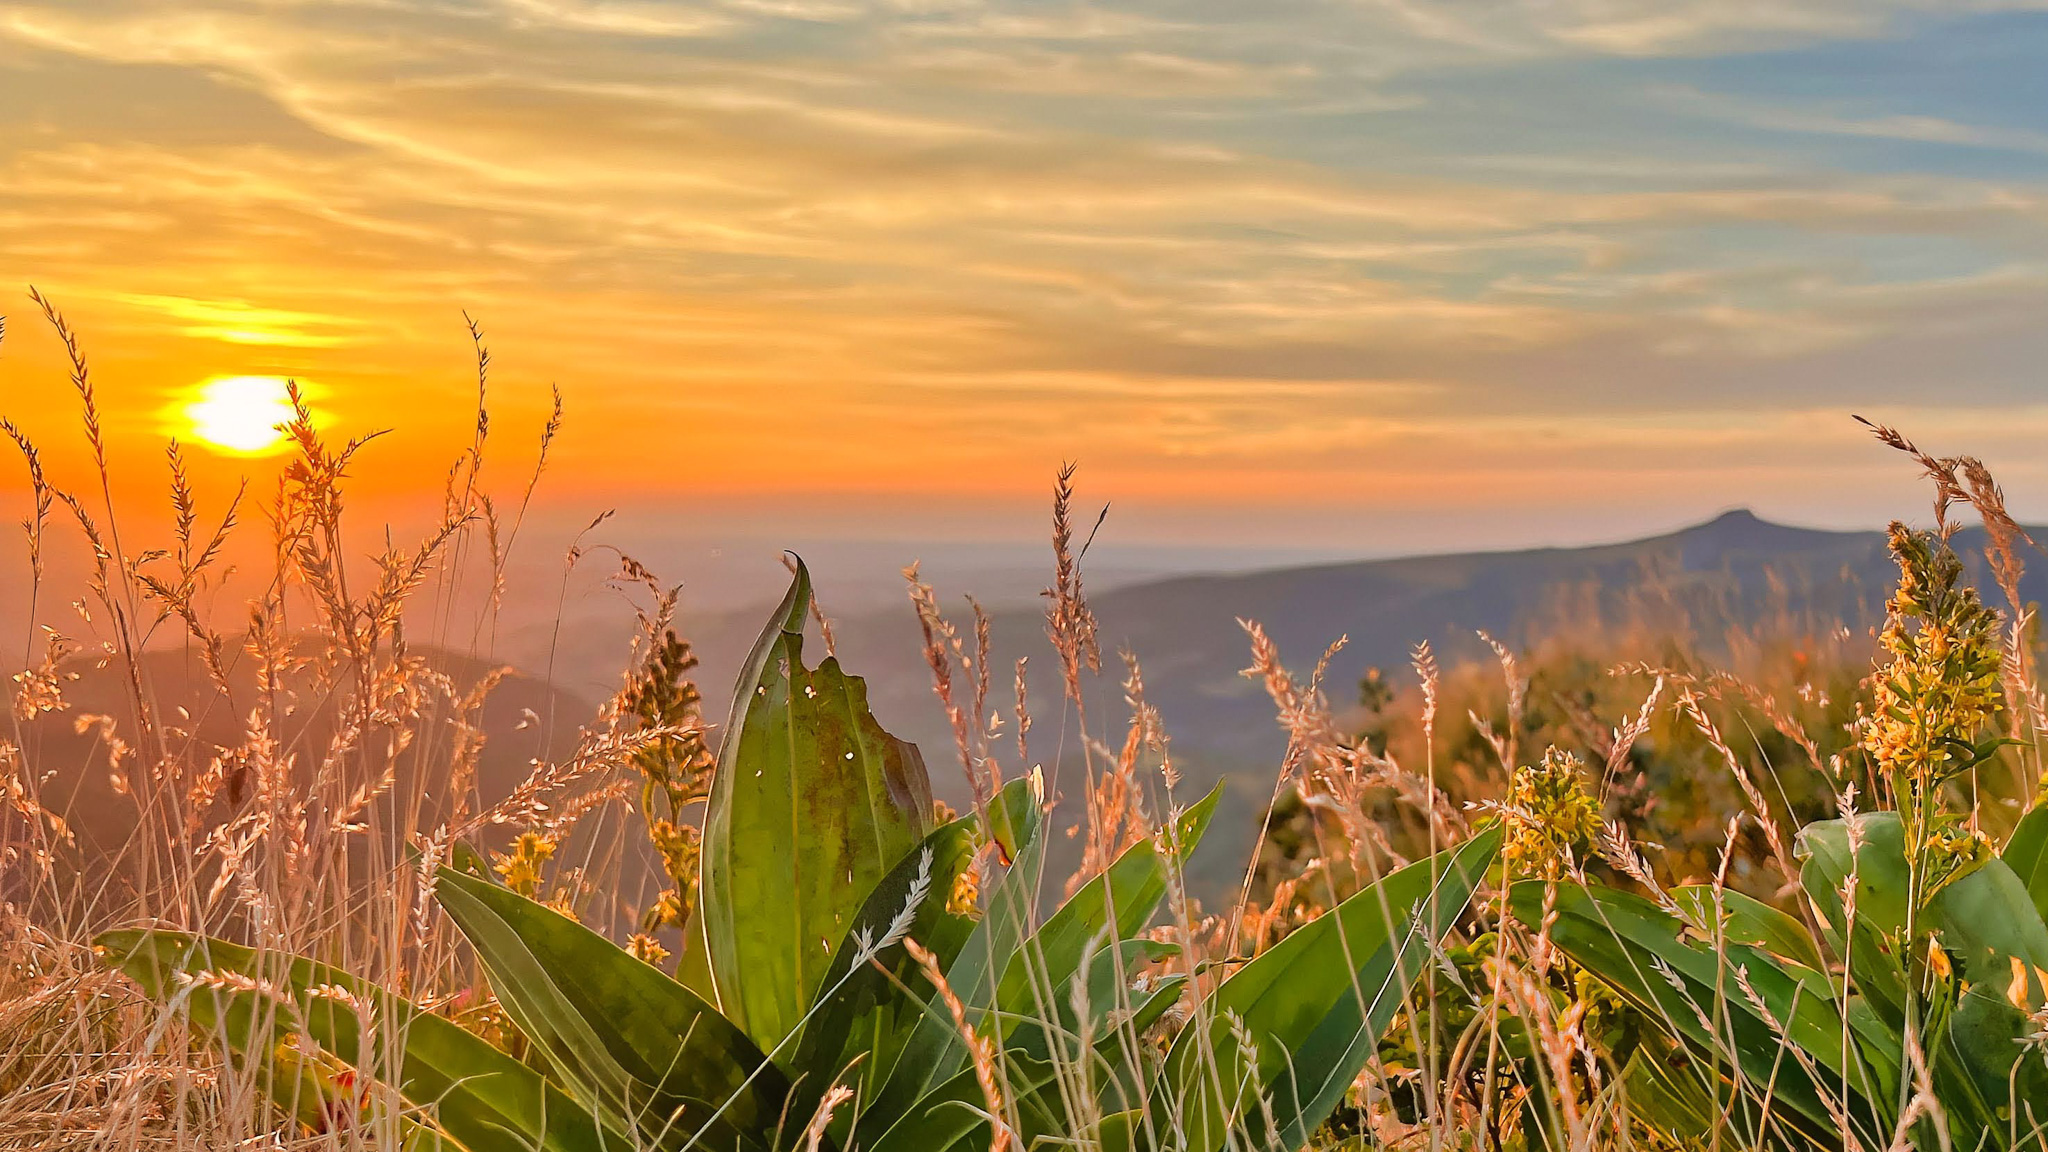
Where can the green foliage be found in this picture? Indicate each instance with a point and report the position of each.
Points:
(1274, 1050)
(1684, 980)
(637, 1047)
(819, 869)
(258, 1005)
(1907, 1004)
(812, 803)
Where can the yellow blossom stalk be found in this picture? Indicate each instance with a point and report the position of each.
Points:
(1551, 821)
(1934, 697)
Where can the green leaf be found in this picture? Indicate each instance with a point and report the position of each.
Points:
(1998, 946)
(933, 1054)
(1988, 923)
(1122, 1131)
(1642, 952)
(1314, 1005)
(813, 803)
(478, 1098)
(1747, 920)
(2026, 853)
(1993, 935)
(861, 1017)
(464, 858)
(1035, 980)
(646, 1051)
(1986, 1032)
(1663, 1089)
(1883, 884)
(1112, 1000)
(949, 1117)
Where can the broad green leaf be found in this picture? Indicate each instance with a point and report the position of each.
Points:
(1988, 924)
(464, 858)
(1993, 935)
(1037, 985)
(1112, 1046)
(1723, 1002)
(1035, 981)
(1663, 1089)
(949, 1118)
(1998, 948)
(945, 1116)
(1313, 1006)
(1877, 861)
(693, 968)
(813, 803)
(1107, 987)
(1122, 1131)
(861, 1017)
(2026, 853)
(1747, 920)
(933, 1053)
(646, 1051)
(503, 1109)
(1988, 1035)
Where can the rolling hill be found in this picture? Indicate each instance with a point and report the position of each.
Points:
(1733, 571)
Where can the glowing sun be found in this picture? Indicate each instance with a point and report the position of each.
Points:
(240, 414)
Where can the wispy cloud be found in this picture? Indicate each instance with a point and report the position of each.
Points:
(888, 244)
(239, 322)
(1826, 121)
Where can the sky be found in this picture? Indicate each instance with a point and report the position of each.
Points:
(1286, 277)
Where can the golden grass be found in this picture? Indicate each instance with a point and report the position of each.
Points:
(353, 773)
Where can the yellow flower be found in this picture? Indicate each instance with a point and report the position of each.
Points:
(679, 846)
(1552, 822)
(964, 899)
(1938, 692)
(670, 909)
(647, 948)
(564, 902)
(522, 867)
(1941, 686)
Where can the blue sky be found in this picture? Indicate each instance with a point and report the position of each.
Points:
(1397, 274)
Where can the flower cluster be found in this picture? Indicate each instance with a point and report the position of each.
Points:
(1552, 821)
(1941, 687)
(680, 846)
(524, 866)
(1937, 694)
(675, 772)
(647, 949)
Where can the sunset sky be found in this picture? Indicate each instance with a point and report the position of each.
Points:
(1361, 276)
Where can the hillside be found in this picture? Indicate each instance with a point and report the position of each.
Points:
(1735, 571)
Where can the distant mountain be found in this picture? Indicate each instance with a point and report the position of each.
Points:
(1733, 570)
(70, 756)
(1186, 633)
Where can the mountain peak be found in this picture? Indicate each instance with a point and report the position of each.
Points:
(1737, 518)
(1738, 531)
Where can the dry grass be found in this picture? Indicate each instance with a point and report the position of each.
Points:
(353, 772)
(352, 769)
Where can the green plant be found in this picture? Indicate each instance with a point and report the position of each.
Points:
(833, 993)
(1908, 1004)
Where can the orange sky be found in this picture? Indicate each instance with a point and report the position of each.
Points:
(1338, 277)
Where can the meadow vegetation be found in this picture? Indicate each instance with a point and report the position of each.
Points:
(1608, 892)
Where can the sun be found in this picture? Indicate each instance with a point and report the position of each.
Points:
(240, 415)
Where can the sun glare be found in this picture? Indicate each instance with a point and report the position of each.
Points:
(240, 414)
